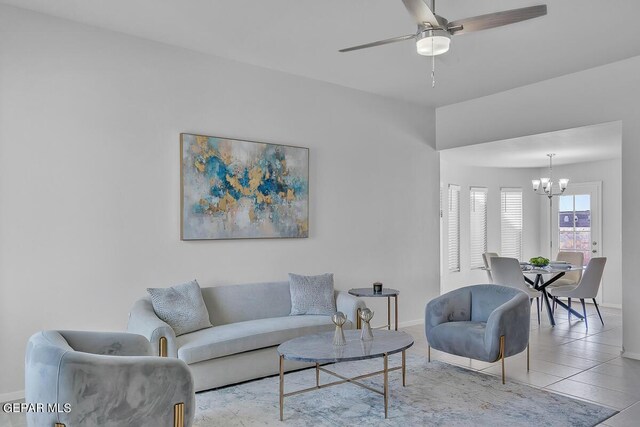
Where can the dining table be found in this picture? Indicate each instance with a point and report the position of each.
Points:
(544, 277)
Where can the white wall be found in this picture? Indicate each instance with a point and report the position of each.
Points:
(89, 179)
(607, 172)
(599, 95)
(493, 179)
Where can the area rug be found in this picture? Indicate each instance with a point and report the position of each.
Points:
(437, 394)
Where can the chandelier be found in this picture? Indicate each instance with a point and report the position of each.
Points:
(544, 186)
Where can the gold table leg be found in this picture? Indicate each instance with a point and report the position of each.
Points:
(404, 368)
(396, 298)
(317, 375)
(281, 387)
(389, 313)
(386, 386)
(358, 320)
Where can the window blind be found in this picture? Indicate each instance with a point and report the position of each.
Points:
(511, 222)
(478, 226)
(454, 227)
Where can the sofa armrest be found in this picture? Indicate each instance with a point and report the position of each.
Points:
(349, 305)
(144, 321)
(452, 306)
(108, 343)
(510, 320)
(124, 391)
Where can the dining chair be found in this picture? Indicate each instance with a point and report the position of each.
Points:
(570, 278)
(507, 272)
(586, 289)
(486, 257)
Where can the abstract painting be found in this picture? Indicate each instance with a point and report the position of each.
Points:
(234, 189)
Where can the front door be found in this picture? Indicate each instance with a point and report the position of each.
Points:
(577, 219)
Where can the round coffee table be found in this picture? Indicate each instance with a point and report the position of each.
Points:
(386, 293)
(319, 349)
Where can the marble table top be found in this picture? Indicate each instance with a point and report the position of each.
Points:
(319, 348)
(368, 292)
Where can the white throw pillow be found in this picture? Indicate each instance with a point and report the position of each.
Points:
(181, 306)
(312, 294)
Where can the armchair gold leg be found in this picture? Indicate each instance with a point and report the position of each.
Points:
(527, 357)
(178, 415)
(58, 425)
(162, 347)
(502, 356)
(428, 353)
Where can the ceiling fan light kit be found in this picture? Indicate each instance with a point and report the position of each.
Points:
(433, 42)
(433, 36)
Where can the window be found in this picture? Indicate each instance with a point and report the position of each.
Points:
(478, 226)
(454, 227)
(511, 222)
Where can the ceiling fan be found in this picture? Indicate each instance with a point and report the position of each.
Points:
(434, 32)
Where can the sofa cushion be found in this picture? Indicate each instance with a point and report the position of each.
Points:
(250, 335)
(460, 338)
(181, 306)
(312, 294)
(238, 303)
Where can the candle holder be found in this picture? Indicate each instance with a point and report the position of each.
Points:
(339, 319)
(366, 315)
(377, 288)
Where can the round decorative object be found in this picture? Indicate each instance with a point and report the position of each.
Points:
(539, 261)
(339, 319)
(366, 333)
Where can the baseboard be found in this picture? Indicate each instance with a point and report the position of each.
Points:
(9, 397)
(608, 305)
(629, 355)
(411, 323)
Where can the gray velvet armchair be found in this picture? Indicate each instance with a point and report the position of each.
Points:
(482, 322)
(105, 379)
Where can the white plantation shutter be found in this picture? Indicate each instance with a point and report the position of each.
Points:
(478, 226)
(454, 227)
(511, 222)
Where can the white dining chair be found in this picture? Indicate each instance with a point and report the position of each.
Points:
(570, 277)
(507, 272)
(486, 257)
(586, 289)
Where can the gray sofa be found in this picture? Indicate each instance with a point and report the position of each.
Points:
(249, 322)
(107, 379)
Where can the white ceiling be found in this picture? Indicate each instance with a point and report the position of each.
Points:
(303, 37)
(584, 144)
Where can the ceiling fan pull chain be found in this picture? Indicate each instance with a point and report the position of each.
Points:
(433, 69)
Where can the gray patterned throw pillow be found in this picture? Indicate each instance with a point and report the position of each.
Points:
(312, 294)
(181, 306)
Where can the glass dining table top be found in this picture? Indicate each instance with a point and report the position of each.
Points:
(530, 269)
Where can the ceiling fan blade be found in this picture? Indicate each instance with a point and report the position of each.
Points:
(492, 20)
(421, 12)
(379, 43)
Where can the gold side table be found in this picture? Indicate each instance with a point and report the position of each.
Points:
(387, 293)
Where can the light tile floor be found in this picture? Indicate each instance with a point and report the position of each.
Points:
(566, 359)
(571, 360)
